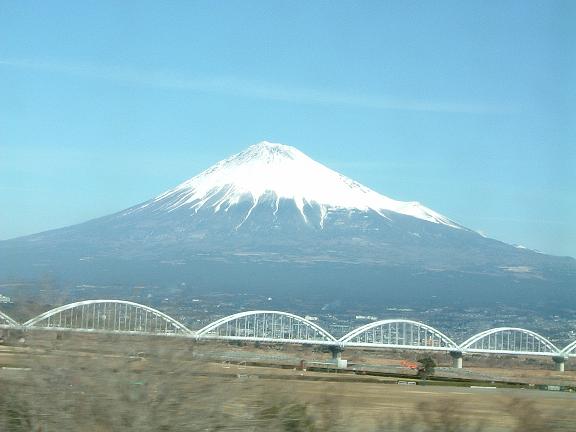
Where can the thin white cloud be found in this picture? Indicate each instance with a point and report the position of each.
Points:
(248, 88)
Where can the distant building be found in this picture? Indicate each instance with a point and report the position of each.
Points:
(5, 299)
(311, 318)
(366, 317)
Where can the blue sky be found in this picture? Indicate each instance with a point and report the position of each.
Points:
(467, 107)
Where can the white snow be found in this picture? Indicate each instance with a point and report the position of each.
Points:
(287, 173)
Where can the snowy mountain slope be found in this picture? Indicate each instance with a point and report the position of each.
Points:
(280, 172)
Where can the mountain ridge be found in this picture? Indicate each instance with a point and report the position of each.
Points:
(222, 230)
(289, 174)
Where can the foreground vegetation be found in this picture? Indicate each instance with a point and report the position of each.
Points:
(162, 389)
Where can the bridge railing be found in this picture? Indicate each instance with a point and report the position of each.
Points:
(276, 326)
(5, 320)
(108, 315)
(266, 326)
(569, 350)
(510, 340)
(399, 333)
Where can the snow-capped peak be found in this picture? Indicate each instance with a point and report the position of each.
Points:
(284, 172)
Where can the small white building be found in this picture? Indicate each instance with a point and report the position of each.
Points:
(5, 299)
(366, 318)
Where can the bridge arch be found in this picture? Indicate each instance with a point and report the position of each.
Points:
(399, 333)
(108, 315)
(5, 320)
(570, 350)
(510, 340)
(266, 326)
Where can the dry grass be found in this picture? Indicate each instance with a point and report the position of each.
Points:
(109, 384)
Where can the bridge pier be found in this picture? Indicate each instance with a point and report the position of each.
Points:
(337, 357)
(456, 359)
(560, 362)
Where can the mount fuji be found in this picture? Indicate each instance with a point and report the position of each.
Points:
(275, 174)
(272, 220)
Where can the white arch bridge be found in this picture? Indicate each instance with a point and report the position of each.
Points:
(119, 316)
